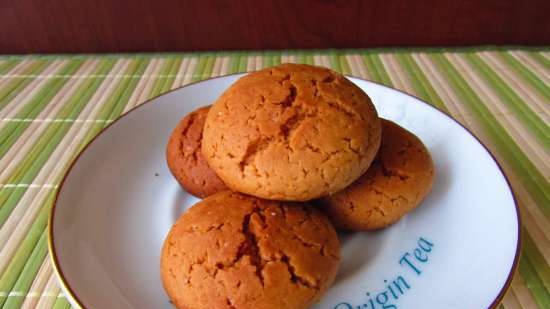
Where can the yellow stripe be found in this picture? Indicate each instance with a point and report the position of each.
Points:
(30, 90)
(21, 218)
(134, 99)
(357, 66)
(317, 60)
(216, 69)
(505, 117)
(39, 284)
(225, 66)
(530, 95)
(522, 293)
(510, 301)
(28, 138)
(16, 70)
(181, 71)
(52, 288)
(399, 80)
(144, 86)
(534, 66)
(190, 70)
(443, 89)
(524, 198)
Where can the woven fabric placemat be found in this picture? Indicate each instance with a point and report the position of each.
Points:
(52, 106)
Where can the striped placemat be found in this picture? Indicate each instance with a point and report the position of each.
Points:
(51, 106)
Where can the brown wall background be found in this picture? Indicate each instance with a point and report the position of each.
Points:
(70, 26)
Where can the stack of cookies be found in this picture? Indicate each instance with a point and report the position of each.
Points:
(283, 157)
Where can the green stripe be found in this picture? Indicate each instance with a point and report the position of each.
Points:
(8, 65)
(277, 58)
(528, 118)
(37, 103)
(533, 282)
(34, 160)
(120, 93)
(161, 80)
(540, 59)
(527, 75)
(243, 63)
(419, 81)
(197, 74)
(120, 100)
(528, 174)
(335, 63)
(537, 260)
(199, 69)
(301, 57)
(309, 59)
(208, 67)
(61, 303)
(169, 83)
(269, 60)
(103, 68)
(371, 69)
(25, 249)
(233, 64)
(16, 86)
(376, 69)
(28, 274)
(344, 65)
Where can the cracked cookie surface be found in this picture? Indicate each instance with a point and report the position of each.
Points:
(233, 251)
(397, 181)
(291, 132)
(185, 159)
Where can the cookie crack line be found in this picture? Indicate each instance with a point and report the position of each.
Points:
(389, 197)
(291, 124)
(341, 108)
(294, 277)
(348, 142)
(249, 247)
(194, 229)
(290, 99)
(321, 248)
(252, 150)
(392, 173)
(230, 304)
(183, 134)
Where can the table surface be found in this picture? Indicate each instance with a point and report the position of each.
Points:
(52, 106)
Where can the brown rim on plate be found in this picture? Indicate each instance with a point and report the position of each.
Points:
(72, 294)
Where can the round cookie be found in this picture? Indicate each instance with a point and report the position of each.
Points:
(236, 251)
(292, 132)
(185, 159)
(396, 182)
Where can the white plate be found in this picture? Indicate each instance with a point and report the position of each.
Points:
(118, 201)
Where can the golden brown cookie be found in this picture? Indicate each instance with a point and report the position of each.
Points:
(185, 159)
(396, 182)
(237, 251)
(292, 132)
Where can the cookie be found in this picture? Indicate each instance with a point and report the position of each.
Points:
(292, 132)
(185, 159)
(396, 182)
(236, 251)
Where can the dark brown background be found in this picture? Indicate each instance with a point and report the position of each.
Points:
(42, 26)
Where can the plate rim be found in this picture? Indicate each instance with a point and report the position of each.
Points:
(71, 292)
